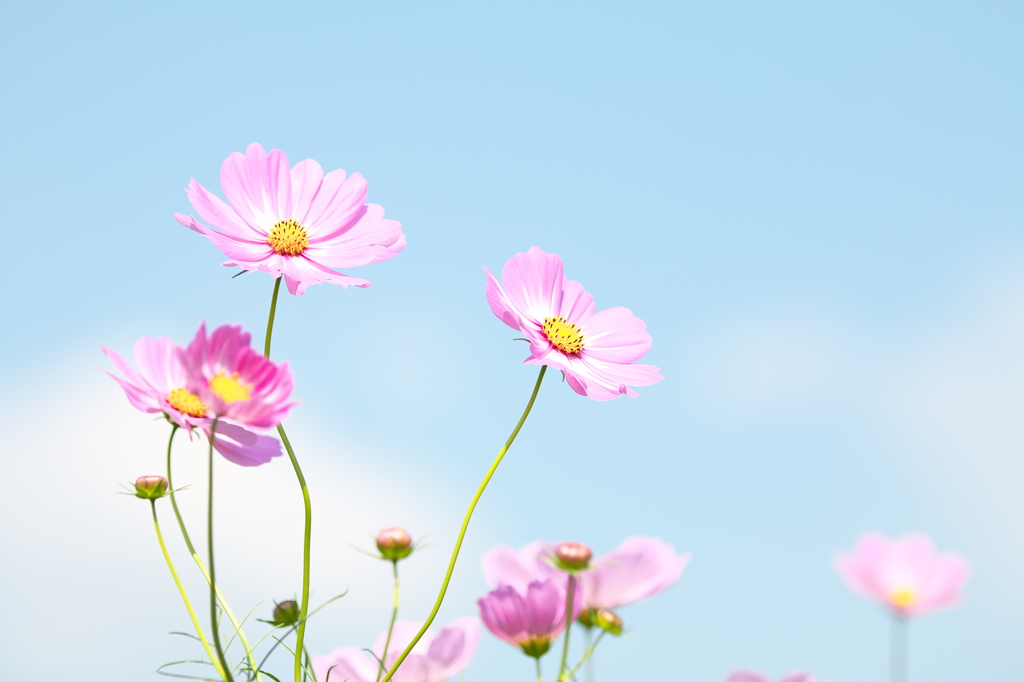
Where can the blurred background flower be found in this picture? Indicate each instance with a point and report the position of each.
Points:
(438, 656)
(904, 574)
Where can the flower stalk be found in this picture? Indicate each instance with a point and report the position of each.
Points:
(184, 595)
(465, 526)
(391, 625)
(202, 566)
(587, 656)
(562, 677)
(898, 649)
(225, 668)
(300, 633)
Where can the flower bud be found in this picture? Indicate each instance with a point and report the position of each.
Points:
(572, 556)
(150, 487)
(394, 543)
(286, 613)
(609, 622)
(587, 618)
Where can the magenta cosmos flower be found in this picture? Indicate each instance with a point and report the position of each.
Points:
(435, 658)
(904, 574)
(234, 381)
(530, 618)
(596, 351)
(749, 676)
(293, 222)
(638, 568)
(160, 387)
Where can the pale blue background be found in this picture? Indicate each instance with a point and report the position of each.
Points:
(816, 208)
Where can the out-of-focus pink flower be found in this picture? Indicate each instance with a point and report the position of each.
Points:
(532, 618)
(234, 381)
(517, 568)
(904, 574)
(749, 676)
(435, 658)
(638, 568)
(293, 222)
(596, 351)
(160, 386)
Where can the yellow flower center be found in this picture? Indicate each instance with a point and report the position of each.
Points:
(288, 238)
(229, 388)
(186, 402)
(903, 599)
(563, 335)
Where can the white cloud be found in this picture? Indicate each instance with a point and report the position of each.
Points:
(86, 565)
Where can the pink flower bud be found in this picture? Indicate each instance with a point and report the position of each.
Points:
(286, 613)
(394, 543)
(150, 487)
(572, 556)
(609, 621)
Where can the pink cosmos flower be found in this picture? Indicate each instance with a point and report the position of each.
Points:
(748, 676)
(236, 382)
(435, 658)
(638, 568)
(904, 574)
(160, 387)
(504, 565)
(530, 618)
(596, 351)
(293, 221)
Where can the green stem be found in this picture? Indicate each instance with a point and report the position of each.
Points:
(540, 677)
(309, 665)
(209, 548)
(391, 625)
(184, 596)
(270, 320)
(587, 654)
(300, 634)
(465, 526)
(202, 567)
(898, 649)
(570, 593)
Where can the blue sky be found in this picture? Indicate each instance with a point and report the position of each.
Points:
(815, 207)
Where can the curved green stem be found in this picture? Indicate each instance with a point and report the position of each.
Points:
(465, 526)
(184, 596)
(202, 567)
(586, 658)
(391, 625)
(540, 677)
(570, 593)
(300, 635)
(270, 320)
(309, 664)
(209, 547)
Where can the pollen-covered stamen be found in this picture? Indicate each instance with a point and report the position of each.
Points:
(186, 402)
(229, 388)
(563, 335)
(903, 599)
(288, 237)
